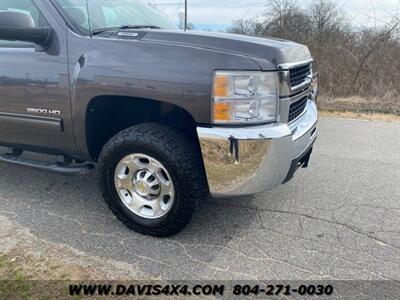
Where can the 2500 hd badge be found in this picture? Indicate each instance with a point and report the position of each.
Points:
(43, 111)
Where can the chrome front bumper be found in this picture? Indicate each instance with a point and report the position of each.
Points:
(250, 160)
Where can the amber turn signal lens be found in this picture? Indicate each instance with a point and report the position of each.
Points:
(221, 112)
(221, 86)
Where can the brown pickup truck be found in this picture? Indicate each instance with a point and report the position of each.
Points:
(167, 117)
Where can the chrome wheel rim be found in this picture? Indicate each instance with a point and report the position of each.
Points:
(144, 186)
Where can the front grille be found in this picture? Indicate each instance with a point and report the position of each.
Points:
(297, 108)
(299, 75)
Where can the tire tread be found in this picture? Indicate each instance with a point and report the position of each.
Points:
(179, 149)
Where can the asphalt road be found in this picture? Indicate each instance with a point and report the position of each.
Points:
(339, 219)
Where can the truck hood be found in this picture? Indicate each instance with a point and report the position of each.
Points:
(267, 52)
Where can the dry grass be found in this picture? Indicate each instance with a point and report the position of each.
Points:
(359, 105)
(386, 109)
(31, 268)
(360, 116)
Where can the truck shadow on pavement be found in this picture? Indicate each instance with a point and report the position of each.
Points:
(319, 232)
(71, 211)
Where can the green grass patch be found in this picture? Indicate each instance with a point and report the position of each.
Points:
(16, 284)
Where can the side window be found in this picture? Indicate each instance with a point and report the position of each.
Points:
(26, 7)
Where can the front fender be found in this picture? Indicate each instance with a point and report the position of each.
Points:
(174, 74)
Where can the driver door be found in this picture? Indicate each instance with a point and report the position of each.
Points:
(34, 87)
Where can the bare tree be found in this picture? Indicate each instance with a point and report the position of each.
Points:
(350, 61)
(379, 39)
(281, 12)
(244, 26)
(324, 16)
(282, 18)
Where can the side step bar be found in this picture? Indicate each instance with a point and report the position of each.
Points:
(64, 168)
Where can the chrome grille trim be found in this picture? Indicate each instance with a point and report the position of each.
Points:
(300, 75)
(289, 94)
(289, 66)
(286, 86)
(297, 109)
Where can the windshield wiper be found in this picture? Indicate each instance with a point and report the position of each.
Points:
(100, 30)
(139, 27)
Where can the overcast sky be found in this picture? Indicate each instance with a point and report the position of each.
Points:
(362, 12)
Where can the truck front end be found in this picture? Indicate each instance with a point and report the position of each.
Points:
(264, 128)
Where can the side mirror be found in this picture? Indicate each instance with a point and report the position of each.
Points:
(17, 26)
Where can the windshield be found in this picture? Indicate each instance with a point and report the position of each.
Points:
(111, 13)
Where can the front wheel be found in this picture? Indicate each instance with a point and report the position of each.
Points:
(152, 178)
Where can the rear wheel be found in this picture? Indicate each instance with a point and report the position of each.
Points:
(152, 178)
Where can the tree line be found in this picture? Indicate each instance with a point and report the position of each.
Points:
(350, 61)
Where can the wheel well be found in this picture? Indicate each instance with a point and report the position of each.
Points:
(108, 115)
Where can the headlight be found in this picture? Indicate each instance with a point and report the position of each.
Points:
(244, 97)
